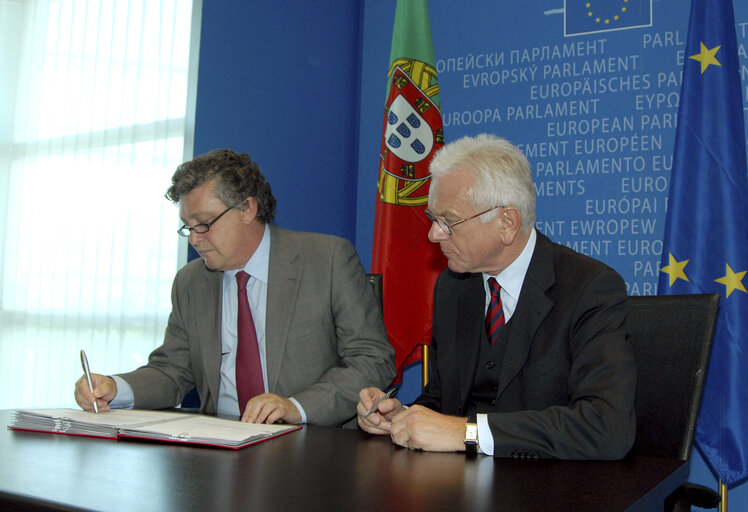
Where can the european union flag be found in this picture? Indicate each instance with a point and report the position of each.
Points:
(706, 231)
(590, 16)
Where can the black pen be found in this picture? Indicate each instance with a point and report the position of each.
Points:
(392, 392)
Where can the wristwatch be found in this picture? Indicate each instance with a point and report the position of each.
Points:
(471, 435)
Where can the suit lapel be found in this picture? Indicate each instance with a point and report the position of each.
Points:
(469, 331)
(284, 279)
(532, 308)
(207, 297)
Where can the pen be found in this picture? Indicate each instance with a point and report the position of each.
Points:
(392, 392)
(87, 371)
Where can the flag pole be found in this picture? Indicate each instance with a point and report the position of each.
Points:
(425, 366)
(722, 496)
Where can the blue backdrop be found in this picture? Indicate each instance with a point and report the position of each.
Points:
(300, 86)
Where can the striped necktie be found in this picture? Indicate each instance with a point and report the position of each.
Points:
(495, 313)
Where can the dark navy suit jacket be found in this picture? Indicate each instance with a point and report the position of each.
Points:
(567, 380)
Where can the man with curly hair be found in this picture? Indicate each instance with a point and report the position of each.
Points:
(316, 321)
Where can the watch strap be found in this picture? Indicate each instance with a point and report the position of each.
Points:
(471, 434)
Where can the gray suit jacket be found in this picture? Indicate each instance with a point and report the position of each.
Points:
(325, 338)
(567, 380)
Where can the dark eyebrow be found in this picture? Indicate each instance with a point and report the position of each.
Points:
(200, 217)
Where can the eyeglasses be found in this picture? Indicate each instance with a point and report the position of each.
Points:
(447, 226)
(201, 228)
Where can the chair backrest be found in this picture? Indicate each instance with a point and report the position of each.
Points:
(672, 339)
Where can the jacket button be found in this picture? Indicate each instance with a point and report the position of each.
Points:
(490, 364)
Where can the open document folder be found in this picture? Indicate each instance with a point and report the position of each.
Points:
(157, 425)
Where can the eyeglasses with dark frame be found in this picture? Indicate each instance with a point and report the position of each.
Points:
(201, 228)
(447, 226)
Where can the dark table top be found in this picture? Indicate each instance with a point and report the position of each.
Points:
(316, 468)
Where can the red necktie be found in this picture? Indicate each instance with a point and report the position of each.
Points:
(495, 313)
(249, 381)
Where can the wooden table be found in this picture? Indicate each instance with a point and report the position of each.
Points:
(317, 468)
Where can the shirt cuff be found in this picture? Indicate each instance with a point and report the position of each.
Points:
(125, 398)
(300, 408)
(485, 437)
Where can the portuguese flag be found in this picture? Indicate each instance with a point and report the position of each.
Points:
(412, 133)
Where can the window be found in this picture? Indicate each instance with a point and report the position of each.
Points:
(93, 106)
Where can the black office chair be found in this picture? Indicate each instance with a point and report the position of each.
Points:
(672, 339)
(192, 399)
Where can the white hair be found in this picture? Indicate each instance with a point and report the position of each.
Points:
(501, 170)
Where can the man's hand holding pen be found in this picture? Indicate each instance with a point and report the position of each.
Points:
(376, 409)
(416, 427)
(104, 390)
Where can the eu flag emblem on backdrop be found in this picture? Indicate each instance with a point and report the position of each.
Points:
(706, 231)
(591, 16)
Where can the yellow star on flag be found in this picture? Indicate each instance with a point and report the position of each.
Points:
(732, 280)
(707, 57)
(675, 269)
